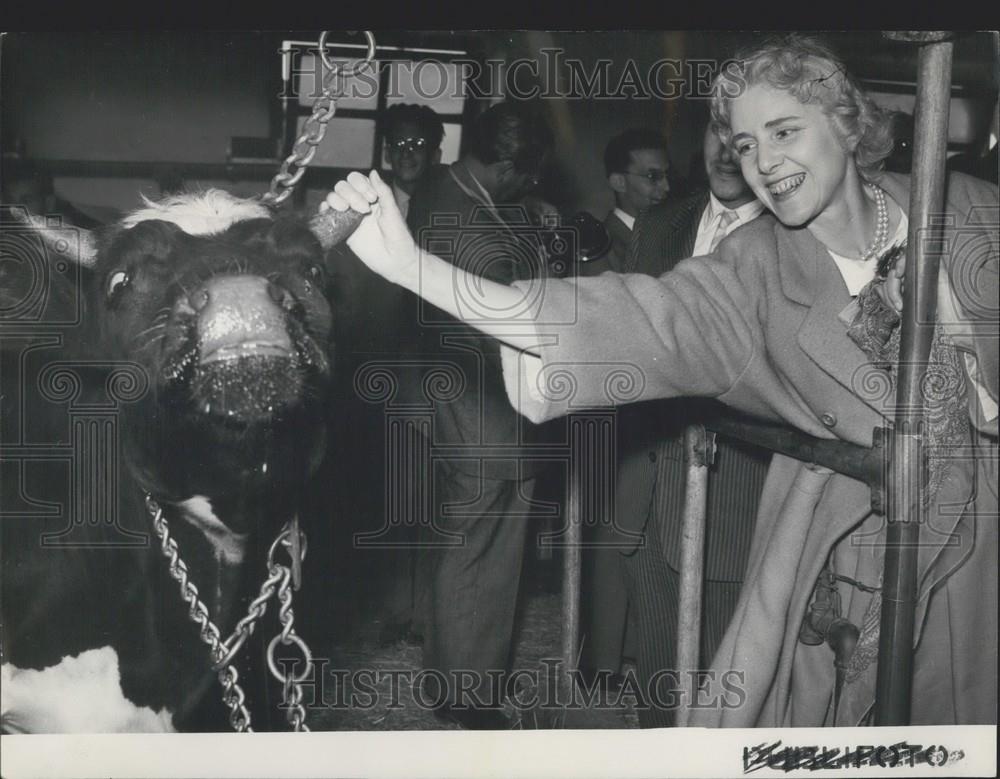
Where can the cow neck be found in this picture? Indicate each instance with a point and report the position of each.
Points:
(218, 555)
(278, 583)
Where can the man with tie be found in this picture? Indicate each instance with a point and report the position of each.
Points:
(651, 468)
(636, 165)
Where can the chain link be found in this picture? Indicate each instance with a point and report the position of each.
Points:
(292, 685)
(232, 693)
(223, 651)
(313, 131)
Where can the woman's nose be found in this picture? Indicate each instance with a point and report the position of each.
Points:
(768, 159)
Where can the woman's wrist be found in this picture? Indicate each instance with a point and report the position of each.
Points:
(408, 276)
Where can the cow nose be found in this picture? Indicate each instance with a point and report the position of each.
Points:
(239, 316)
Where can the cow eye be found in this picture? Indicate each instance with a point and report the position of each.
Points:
(117, 281)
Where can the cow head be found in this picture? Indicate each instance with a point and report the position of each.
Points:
(226, 307)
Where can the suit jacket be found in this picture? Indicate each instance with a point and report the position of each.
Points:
(665, 234)
(650, 440)
(756, 325)
(473, 411)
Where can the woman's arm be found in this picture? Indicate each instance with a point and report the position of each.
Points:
(385, 245)
(602, 341)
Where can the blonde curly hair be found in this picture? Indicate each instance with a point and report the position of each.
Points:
(813, 74)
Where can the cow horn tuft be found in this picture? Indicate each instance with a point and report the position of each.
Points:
(332, 227)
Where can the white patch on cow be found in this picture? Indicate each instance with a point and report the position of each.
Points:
(201, 213)
(229, 547)
(81, 694)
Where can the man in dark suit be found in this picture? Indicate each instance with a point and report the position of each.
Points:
(636, 164)
(651, 473)
(480, 500)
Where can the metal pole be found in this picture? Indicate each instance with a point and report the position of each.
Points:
(571, 579)
(866, 464)
(906, 476)
(699, 452)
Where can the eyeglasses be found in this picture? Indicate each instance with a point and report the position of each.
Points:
(409, 144)
(652, 176)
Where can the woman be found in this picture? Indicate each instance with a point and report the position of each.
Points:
(789, 319)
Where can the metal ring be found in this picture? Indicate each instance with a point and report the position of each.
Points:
(306, 655)
(356, 67)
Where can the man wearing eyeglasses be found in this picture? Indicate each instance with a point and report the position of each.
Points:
(636, 165)
(412, 136)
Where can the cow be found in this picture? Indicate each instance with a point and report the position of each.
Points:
(208, 318)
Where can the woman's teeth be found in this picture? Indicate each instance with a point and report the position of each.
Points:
(786, 185)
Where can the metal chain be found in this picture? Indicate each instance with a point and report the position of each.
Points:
(855, 583)
(232, 693)
(278, 580)
(291, 684)
(314, 129)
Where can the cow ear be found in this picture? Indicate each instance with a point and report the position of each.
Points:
(73, 243)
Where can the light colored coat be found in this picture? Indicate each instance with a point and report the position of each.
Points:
(756, 325)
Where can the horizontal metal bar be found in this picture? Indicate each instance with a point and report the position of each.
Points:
(866, 464)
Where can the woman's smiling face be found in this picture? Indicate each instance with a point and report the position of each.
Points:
(790, 153)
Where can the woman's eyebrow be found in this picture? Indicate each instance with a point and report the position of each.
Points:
(779, 120)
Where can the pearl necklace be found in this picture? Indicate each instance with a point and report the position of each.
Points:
(881, 224)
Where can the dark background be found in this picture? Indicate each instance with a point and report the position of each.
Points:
(111, 114)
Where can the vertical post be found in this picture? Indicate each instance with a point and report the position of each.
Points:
(699, 449)
(906, 477)
(589, 492)
(571, 581)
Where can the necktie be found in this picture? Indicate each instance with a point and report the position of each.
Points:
(727, 218)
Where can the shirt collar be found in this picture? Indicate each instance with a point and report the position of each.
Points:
(745, 213)
(628, 220)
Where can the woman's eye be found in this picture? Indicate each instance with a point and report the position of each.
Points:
(117, 281)
(743, 149)
(785, 133)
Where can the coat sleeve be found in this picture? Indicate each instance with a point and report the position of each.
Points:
(620, 339)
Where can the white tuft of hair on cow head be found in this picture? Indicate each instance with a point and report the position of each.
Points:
(199, 213)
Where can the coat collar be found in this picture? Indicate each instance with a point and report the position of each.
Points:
(809, 276)
(804, 259)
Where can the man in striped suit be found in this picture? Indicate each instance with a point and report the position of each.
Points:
(651, 470)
